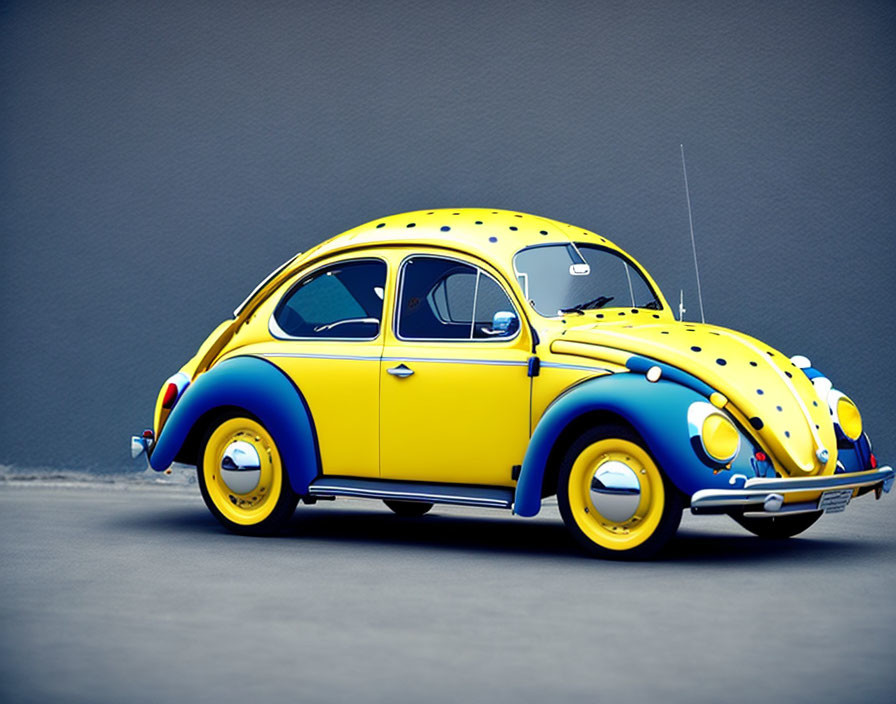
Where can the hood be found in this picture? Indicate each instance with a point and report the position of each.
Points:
(774, 399)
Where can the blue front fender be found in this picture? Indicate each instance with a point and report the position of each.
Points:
(263, 390)
(657, 411)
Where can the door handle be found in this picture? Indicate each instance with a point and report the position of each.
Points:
(401, 371)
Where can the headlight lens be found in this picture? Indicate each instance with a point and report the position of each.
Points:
(848, 417)
(718, 438)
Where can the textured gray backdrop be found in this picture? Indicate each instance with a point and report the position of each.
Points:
(158, 159)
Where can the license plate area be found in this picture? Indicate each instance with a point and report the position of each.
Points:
(834, 501)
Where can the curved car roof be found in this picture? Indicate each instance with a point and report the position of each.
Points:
(491, 234)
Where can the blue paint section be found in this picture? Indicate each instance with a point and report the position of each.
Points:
(657, 411)
(267, 393)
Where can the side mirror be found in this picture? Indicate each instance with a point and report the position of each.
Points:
(501, 321)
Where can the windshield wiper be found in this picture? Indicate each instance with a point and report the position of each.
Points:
(598, 302)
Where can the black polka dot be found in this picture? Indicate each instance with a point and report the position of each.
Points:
(411, 224)
(542, 232)
(779, 408)
(444, 228)
(753, 364)
(516, 215)
(770, 353)
(815, 403)
(786, 433)
(514, 228)
(622, 312)
(455, 213)
(696, 349)
(721, 362)
(600, 315)
(714, 333)
(492, 239)
(382, 224)
(664, 332)
(431, 212)
(760, 391)
(656, 316)
(479, 222)
(789, 375)
(756, 422)
(635, 310)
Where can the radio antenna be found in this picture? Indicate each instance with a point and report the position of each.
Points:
(687, 193)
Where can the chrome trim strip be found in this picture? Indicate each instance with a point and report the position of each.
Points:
(318, 489)
(350, 357)
(492, 362)
(575, 367)
(756, 491)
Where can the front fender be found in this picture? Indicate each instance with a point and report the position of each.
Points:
(656, 410)
(266, 392)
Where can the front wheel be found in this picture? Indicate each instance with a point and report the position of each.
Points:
(778, 527)
(242, 478)
(614, 499)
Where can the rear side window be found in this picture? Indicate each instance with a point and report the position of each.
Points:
(343, 300)
(444, 299)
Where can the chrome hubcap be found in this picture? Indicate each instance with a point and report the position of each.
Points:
(240, 467)
(615, 491)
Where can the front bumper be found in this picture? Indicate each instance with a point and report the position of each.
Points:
(772, 497)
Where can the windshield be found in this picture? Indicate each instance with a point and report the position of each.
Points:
(564, 278)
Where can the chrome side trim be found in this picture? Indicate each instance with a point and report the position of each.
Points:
(492, 362)
(350, 357)
(492, 497)
(574, 367)
(757, 492)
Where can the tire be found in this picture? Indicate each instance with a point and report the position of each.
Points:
(778, 527)
(408, 509)
(241, 503)
(637, 516)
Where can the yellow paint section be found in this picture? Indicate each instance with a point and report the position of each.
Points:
(720, 437)
(600, 529)
(251, 508)
(759, 381)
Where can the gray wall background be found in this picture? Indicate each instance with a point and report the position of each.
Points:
(158, 159)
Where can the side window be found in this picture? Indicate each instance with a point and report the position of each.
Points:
(443, 299)
(343, 300)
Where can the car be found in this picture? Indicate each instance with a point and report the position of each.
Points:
(494, 358)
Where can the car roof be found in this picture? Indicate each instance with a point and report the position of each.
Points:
(491, 234)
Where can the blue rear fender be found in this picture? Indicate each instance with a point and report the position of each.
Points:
(657, 411)
(257, 386)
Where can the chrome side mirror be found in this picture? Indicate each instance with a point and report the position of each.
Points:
(501, 321)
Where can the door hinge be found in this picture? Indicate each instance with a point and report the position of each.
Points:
(534, 366)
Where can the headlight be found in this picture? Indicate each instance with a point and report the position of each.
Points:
(846, 415)
(717, 436)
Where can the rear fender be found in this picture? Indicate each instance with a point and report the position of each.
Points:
(262, 389)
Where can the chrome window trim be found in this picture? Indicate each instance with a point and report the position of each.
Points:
(396, 315)
(279, 334)
(377, 358)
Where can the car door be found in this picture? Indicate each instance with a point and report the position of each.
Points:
(329, 342)
(454, 383)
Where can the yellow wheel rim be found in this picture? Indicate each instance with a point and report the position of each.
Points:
(256, 504)
(632, 530)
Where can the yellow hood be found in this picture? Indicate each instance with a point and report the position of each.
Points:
(772, 397)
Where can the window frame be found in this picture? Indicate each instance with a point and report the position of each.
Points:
(399, 290)
(279, 334)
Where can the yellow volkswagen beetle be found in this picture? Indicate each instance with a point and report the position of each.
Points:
(494, 358)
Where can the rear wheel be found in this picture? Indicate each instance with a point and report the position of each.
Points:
(408, 509)
(242, 478)
(778, 527)
(613, 497)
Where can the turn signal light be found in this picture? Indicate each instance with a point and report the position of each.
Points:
(760, 456)
(170, 396)
(873, 461)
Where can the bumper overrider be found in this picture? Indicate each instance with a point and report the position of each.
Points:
(771, 497)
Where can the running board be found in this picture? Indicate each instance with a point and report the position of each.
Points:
(460, 494)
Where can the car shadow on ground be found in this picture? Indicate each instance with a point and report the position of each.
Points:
(506, 535)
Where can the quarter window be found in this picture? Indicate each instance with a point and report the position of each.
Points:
(343, 300)
(444, 299)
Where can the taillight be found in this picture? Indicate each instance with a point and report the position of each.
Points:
(761, 456)
(170, 396)
(873, 461)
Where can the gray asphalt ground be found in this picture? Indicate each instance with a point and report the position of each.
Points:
(120, 593)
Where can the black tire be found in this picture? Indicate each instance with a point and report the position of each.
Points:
(264, 510)
(778, 527)
(408, 509)
(660, 503)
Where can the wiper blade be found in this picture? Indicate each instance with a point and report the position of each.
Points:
(598, 302)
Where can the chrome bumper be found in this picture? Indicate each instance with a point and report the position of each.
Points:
(767, 496)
